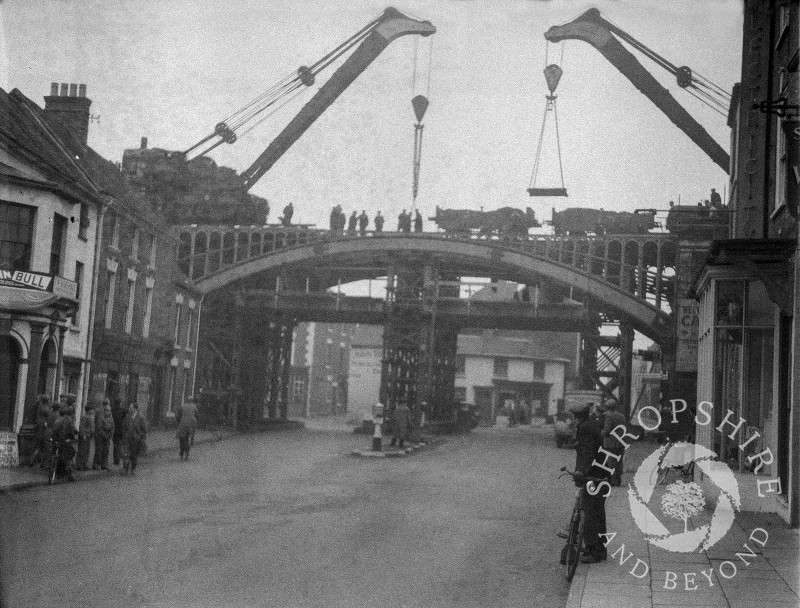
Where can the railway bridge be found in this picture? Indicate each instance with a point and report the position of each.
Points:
(259, 281)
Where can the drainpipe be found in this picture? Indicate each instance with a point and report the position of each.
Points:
(87, 372)
(196, 345)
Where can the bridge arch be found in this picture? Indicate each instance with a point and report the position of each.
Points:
(615, 272)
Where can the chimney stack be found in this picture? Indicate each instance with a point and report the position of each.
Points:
(70, 107)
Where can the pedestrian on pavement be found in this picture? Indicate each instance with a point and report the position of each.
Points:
(588, 440)
(65, 436)
(401, 425)
(134, 438)
(103, 432)
(351, 225)
(43, 409)
(118, 412)
(418, 222)
(85, 436)
(613, 419)
(379, 222)
(363, 222)
(187, 424)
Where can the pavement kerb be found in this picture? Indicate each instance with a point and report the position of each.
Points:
(399, 453)
(92, 474)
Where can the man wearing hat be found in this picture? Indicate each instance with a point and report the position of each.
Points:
(588, 440)
(613, 419)
(65, 436)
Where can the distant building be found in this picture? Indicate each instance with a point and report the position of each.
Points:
(320, 363)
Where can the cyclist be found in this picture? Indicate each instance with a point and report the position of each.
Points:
(65, 435)
(588, 440)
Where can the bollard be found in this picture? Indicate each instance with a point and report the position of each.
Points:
(377, 433)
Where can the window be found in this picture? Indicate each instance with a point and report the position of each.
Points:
(129, 309)
(501, 367)
(299, 390)
(135, 243)
(189, 321)
(16, 236)
(151, 251)
(83, 224)
(178, 312)
(781, 165)
(173, 378)
(114, 231)
(58, 244)
(461, 365)
(148, 309)
(538, 369)
(76, 318)
(460, 393)
(185, 384)
(111, 283)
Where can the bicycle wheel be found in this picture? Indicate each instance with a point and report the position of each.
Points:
(574, 544)
(51, 474)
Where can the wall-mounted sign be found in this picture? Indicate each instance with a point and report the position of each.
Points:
(23, 278)
(688, 319)
(64, 288)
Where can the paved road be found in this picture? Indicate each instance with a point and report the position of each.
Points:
(290, 519)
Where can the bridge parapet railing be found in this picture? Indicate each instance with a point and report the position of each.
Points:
(640, 264)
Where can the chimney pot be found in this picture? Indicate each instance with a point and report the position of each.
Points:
(73, 90)
(64, 89)
(54, 89)
(144, 143)
(81, 90)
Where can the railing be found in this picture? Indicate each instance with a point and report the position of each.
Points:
(640, 264)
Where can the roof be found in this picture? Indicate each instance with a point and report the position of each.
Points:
(50, 148)
(543, 345)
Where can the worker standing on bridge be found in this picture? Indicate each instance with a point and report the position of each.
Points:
(401, 221)
(288, 211)
(418, 222)
(363, 222)
(351, 225)
(379, 222)
(335, 218)
(716, 199)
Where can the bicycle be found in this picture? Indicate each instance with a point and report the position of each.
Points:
(571, 553)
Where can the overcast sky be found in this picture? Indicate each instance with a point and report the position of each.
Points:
(170, 70)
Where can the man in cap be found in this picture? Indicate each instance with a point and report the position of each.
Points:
(588, 440)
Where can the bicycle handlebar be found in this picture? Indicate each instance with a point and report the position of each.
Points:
(566, 471)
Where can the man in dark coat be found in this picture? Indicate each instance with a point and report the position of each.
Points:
(418, 222)
(134, 436)
(351, 224)
(103, 431)
(363, 222)
(85, 436)
(401, 425)
(588, 440)
(65, 436)
(613, 419)
(43, 409)
(379, 222)
(288, 212)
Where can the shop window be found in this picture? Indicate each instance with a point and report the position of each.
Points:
(16, 236)
(501, 367)
(111, 286)
(743, 374)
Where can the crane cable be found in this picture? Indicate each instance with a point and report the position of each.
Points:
(420, 104)
(550, 104)
(700, 87)
(289, 87)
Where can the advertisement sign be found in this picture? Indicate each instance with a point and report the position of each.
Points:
(24, 279)
(688, 320)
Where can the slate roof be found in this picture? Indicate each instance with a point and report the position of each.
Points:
(543, 345)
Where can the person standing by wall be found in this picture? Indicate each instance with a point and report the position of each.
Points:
(103, 432)
(401, 425)
(65, 437)
(85, 436)
(187, 424)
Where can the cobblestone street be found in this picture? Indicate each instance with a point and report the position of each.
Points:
(289, 518)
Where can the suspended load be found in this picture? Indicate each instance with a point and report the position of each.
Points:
(420, 104)
(552, 75)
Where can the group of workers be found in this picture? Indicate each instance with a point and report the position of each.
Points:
(359, 223)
